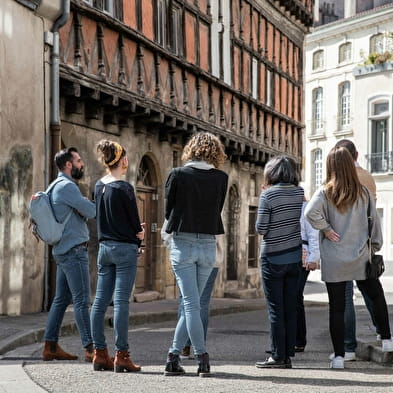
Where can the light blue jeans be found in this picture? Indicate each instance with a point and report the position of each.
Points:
(205, 302)
(117, 263)
(192, 256)
(72, 286)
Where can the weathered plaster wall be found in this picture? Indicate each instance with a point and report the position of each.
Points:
(22, 128)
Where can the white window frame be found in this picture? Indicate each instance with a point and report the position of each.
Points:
(345, 52)
(381, 160)
(318, 60)
(344, 99)
(377, 43)
(317, 110)
(108, 7)
(317, 175)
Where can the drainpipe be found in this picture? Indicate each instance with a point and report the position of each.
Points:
(53, 137)
(55, 132)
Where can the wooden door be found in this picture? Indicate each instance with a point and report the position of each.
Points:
(144, 277)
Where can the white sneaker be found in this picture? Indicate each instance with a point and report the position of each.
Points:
(337, 362)
(348, 357)
(387, 345)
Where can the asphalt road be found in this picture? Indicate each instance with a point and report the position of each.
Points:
(235, 342)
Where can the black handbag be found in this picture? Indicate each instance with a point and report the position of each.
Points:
(375, 265)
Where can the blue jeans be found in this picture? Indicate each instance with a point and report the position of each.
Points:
(192, 256)
(205, 302)
(301, 329)
(72, 286)
(350, 342)
(280, 283)
(117, 264)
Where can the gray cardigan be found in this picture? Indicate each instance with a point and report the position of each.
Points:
(346, 259)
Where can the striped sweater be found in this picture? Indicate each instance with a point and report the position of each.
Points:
(279, 211)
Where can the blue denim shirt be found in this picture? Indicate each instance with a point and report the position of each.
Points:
(66, 196)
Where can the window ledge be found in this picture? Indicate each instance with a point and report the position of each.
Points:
(343, 132)
(316, 136)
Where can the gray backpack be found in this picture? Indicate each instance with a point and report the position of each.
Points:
(43, 222)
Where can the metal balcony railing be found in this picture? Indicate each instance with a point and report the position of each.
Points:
(380, 162)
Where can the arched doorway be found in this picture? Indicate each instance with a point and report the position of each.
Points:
(232, 234)
(146, 188)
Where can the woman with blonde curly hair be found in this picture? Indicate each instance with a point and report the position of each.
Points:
(195, 195)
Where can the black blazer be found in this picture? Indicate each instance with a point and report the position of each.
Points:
(194, 200)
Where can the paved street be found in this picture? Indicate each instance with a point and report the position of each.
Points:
(235, 342)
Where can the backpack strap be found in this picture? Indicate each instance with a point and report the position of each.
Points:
(54, 183)
(49, 192)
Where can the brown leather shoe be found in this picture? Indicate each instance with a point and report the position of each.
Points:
(102, 361)
(53, 351)
(124, 363)
(89, 353)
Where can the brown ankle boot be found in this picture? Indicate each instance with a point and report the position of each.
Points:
(124, 363)
(53, 350)
(102, 361)
(89, 353)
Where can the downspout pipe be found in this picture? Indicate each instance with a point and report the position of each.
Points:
(53, 139)
(55, 83)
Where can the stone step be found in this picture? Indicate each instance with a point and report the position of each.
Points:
(147, 296)
(251, 293)
(231, 285)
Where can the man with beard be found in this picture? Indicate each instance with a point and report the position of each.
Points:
(71, 256)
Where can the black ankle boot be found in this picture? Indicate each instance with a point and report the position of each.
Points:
(203, 365)
(173, 367)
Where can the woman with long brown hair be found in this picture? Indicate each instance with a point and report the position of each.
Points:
(339, 211)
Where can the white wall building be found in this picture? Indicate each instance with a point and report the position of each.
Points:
(345, 99)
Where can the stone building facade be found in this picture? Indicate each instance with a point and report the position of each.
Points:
(149, 74)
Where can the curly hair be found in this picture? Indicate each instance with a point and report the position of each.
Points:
(204, 146)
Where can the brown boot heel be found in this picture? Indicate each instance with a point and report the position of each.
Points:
(123, 363)
(102, 361)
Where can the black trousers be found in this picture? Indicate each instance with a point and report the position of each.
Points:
(336, 293)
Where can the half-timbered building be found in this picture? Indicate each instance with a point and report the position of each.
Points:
(149, 73)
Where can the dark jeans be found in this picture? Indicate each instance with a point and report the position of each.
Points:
(336, 293)
(280, 283)
(350, 342)
(301, 330)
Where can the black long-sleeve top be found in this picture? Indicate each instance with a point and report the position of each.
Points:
(117, 212)
(194, 200)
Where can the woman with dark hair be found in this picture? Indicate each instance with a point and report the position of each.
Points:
(279, 211)
(119, 234)
(339, 211)
(195, 195)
